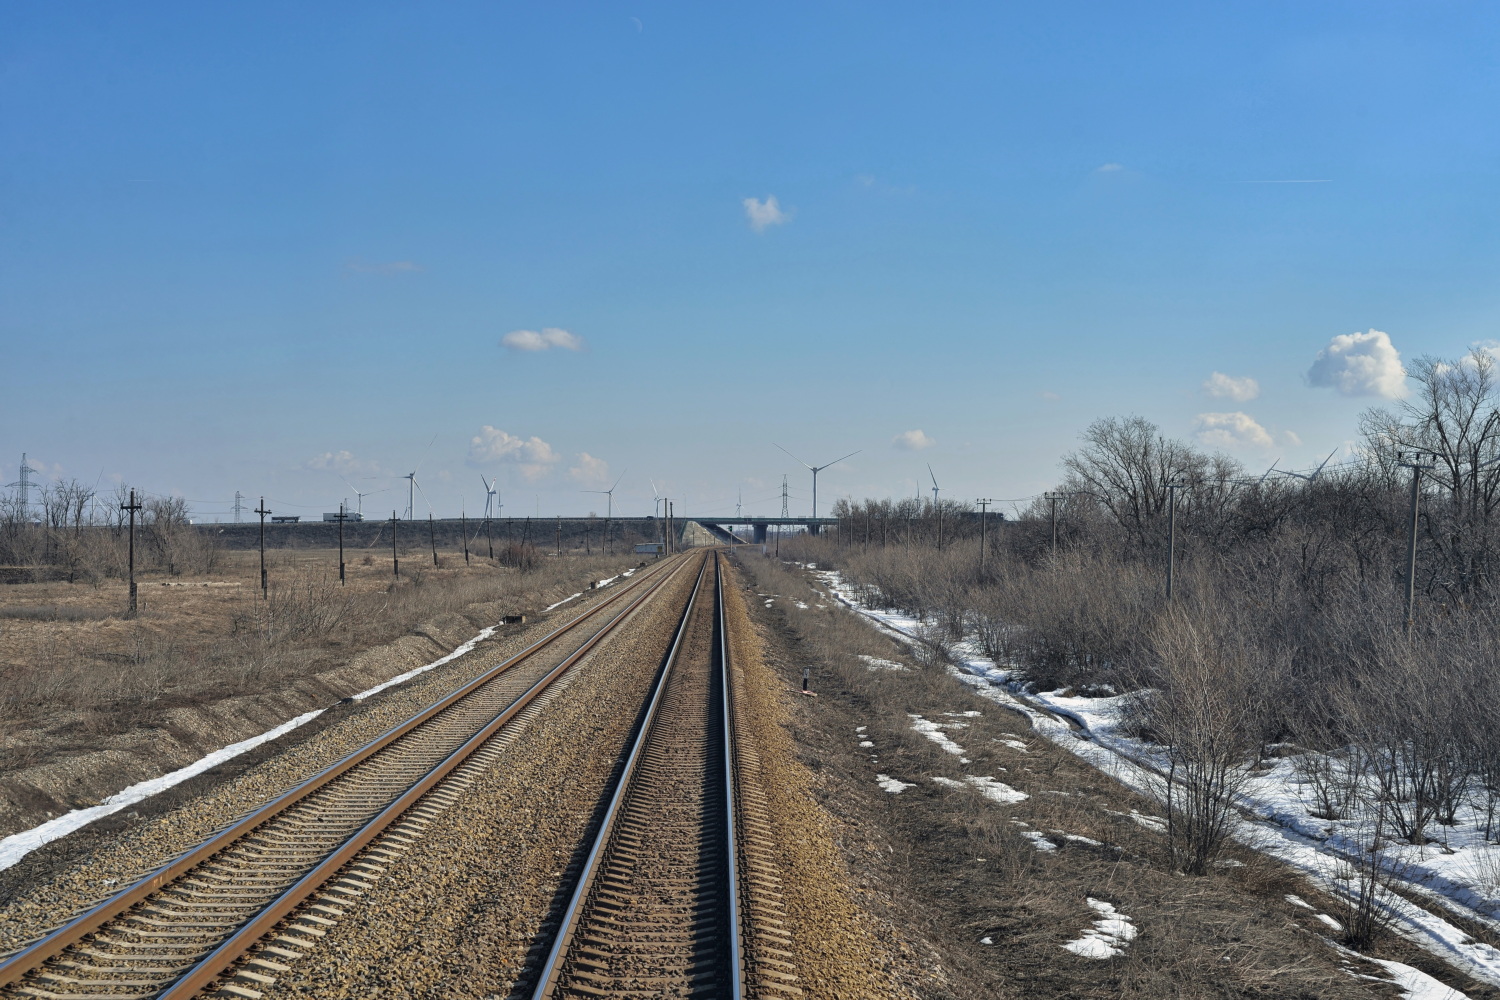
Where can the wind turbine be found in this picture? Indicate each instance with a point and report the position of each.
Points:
(934, 485)
(490, 493)
(815, 469)
(411, 484)
(359, 498)
(609, 509)
(1316, 472)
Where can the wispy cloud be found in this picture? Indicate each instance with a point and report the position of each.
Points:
(383, 267)
(342, 463)
(1232, 430)
(589, 471)
(543, 340)
(763, 214)
(1109, 168)
(1360, 364)
(1241, 390)
(914, 440)
(533, 456)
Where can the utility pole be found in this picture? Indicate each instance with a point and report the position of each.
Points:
(671, 535)
(341, 542)
(1172, 489)
(464, 517)
(939, 508)
(490, 537)
(559, 534)
(1053, 498)
(432, 536)
(984, 507)
(132, 506)
(262, 511)
(395, 560)
(1417, 468)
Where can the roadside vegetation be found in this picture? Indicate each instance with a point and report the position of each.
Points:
(1287, 632)
(75, 670)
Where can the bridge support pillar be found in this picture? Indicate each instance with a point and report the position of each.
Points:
(760, 533)
(812, 529)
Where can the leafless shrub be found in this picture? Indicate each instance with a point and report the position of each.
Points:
(1201, 710)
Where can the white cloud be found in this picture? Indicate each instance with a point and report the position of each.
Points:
(1108, 168)
(343, 463)
(1048, 395)
(1232, 430)
(534, 456)
(1291, 439)
(763, 214)
(548, 338)
(912, 441)
(589, 471)
(1222, 386)
(1360, 364)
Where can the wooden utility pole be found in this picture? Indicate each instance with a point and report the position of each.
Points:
(559, 534)
(489, 537)
(984, 506)
(395, 559)
(262, 511)
(1172, 489)
(132, 506)
(1053, 498)
(464, 517)
(432, 536)
(341, 543)
(1417, 468)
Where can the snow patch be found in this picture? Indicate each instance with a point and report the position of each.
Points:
(1039, 840)
(892, 785)
(1416, 984)
(1109, 936)
(995, 791)
(876, 663)
(934, 732)
(18, 845)
(560, 603)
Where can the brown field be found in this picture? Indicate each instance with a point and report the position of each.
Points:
(91, 699)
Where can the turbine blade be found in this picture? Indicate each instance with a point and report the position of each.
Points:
(836, 461)
(795, 458)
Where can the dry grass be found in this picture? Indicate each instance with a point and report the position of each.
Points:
(957, 867)
(72, 669)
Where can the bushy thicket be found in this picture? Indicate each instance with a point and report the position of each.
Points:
(68, 531)
(1289, 618)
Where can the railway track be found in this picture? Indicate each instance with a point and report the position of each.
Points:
(234, 910)
(677, 895)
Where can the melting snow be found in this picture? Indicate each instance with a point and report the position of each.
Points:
(1039, 840)
(891, 785)
(1416, 984)
(996, 791)
(1109, 935)
(560, 603)
(1015, 745)
(866, 743)
(934, 732)
(876, 663)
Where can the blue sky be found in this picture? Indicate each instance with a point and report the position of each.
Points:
(252, 247)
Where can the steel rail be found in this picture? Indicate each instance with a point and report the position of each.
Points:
(550, 975)
(731, 824)
(31, 958)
